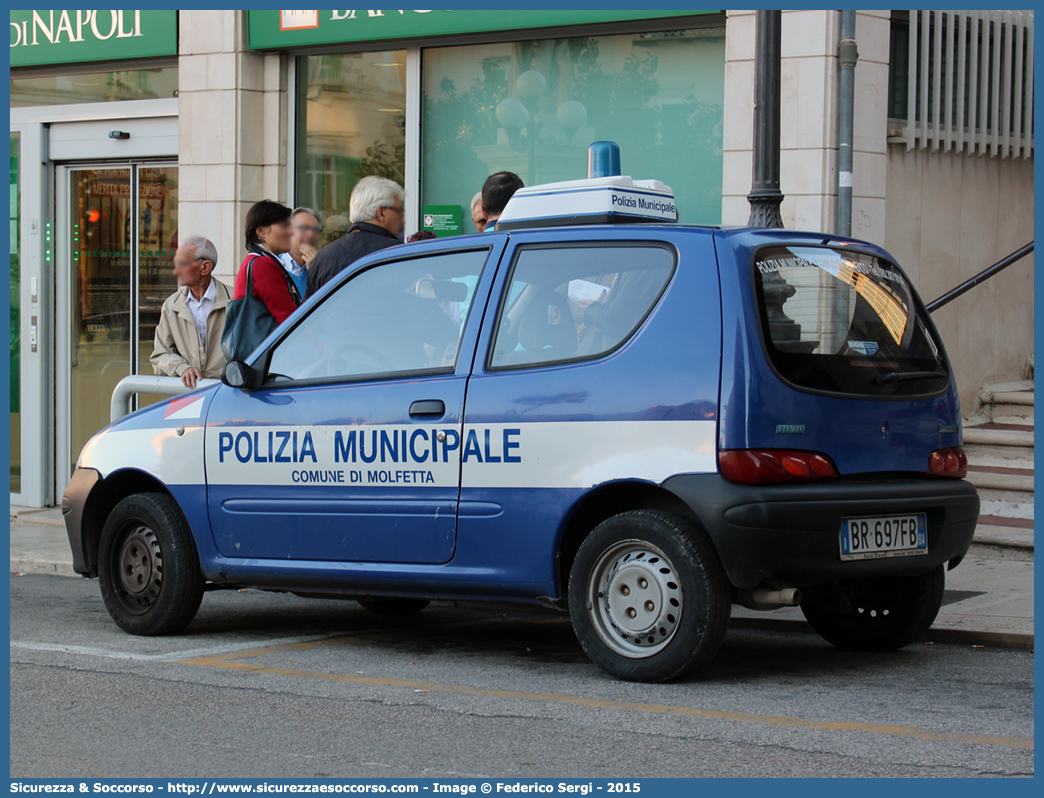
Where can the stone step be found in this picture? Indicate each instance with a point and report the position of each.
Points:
(1010, 420)
(1020, 512)
(1004, 537)
(1000, 456)
(985, 423)
(1017, 483)
(1016, 497)
(1007, 387)
(986, 457)
(1022, 398)
(1022, 438)
(1003, 415)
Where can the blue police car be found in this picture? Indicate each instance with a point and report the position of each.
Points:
(593, 408)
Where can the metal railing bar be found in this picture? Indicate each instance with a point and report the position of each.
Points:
(982, 276)
(135, 384)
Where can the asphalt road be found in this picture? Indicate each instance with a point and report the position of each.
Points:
(268, 685)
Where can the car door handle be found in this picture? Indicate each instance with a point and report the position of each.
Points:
(428, 407)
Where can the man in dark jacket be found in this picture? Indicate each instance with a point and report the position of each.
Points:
(376, 211)
(496, 191)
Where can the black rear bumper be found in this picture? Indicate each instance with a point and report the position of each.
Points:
(791, 533)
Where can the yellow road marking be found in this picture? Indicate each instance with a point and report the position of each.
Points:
(228, 662)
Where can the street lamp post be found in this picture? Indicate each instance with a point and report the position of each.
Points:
(513, 115)
(765, 196)
(530, 85)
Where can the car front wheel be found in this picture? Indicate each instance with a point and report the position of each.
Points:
(648, 597)
(148, 567)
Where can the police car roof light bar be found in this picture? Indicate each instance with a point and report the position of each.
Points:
(604, 199)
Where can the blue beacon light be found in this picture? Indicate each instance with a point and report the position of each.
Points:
(603, 159)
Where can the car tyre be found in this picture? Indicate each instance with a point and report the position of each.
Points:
(876, 614)
(648, 597)
(394, 606)
(148, 566)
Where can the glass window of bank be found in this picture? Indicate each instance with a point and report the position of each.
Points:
(533, 107)
(530, 107)
(351, 123)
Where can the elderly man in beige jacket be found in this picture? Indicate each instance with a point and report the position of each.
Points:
(188, 336)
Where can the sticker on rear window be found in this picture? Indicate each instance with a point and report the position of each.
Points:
(863, 347)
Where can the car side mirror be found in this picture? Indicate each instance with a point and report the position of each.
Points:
(237, 374)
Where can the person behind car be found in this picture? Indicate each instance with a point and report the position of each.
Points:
(268, 233)
(478, 216)
(377, 213)
(304, 244)
(334, 227)
(496, 192)
(188, 336)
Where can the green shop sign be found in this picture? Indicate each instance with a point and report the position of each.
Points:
(269, 29)
(67, 36)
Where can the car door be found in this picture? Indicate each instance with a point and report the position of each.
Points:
(350, 448)
(599, 366)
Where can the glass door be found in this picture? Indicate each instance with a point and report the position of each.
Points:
(16, 316)
(118, 236)
(101, 213)
(157, 238)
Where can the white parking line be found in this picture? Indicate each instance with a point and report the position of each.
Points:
(173, 656)
(212, 651)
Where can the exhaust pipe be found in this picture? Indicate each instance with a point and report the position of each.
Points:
(769, 599)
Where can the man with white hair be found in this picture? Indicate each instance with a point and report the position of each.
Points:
(376, 212)
(478, 215)
(188, 336)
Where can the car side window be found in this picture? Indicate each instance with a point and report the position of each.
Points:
(401, 317)
(576, 303)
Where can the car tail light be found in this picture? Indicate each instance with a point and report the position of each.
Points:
(760, 466)
(949, 462)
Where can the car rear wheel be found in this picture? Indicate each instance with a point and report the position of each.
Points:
(648, 596)
(878, 614)
(148, 567)
(394, 606)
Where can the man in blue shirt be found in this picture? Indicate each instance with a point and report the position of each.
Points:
(304, 242)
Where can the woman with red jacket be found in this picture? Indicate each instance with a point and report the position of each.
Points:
(268, 236)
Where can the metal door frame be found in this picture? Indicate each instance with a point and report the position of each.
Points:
(63, 339)
(34, 294)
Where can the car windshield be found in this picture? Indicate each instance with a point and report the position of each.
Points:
(845, 322)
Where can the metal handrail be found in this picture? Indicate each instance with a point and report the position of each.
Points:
(985, 274)
(165, 386)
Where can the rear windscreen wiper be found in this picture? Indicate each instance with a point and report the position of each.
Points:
(903, 376)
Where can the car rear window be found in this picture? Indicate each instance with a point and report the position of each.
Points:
(839, 321)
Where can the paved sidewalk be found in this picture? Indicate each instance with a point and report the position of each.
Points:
(988, 601)
(39, 543)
